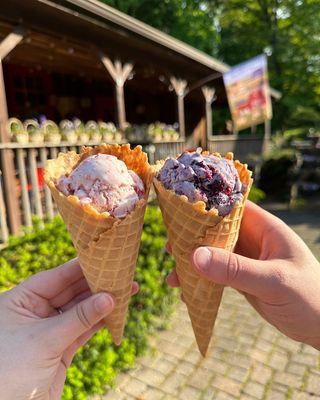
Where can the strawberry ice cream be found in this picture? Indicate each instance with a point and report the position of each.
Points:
(104, 182)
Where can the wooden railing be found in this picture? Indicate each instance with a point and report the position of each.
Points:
(241, 146)
(34, 196)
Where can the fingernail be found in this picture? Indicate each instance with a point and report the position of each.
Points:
(202, 259)
(103, 303)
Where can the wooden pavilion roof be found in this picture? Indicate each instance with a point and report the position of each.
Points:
(68, 35)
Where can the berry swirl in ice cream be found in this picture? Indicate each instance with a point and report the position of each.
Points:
(204, 177)
(104, 182)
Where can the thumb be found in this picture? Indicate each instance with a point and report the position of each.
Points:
(82, 317)
(223, 267)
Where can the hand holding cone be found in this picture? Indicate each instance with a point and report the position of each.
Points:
(190, 225)
(107, 247)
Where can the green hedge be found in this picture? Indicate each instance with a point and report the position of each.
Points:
(97, 363)
(277, 174)
(256, 195)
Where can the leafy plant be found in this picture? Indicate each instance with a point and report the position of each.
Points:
(277, 173)
(236, 30)
(98, 362)
(256, 195)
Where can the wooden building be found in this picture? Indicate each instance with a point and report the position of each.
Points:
(81, 58)
(60, 62)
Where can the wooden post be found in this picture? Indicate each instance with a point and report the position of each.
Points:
(3, 218)
(200, 135)
(267, 135)
(11, 41)
(119, 73)
(53, 152)
(209, 96)
(47, 192)
(24, 188)
(253, 129)
(234, 130)
(180, 88)
(8, 169)
(36, 196)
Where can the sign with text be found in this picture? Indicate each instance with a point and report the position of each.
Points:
(248, 92)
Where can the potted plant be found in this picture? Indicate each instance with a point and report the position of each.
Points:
(17, 132)
(176, 134)
(150, 132)
(51, 132)
(82, 135)
(34, 131)
(167, 134)
(92, 129)
(129, 132)
(118, 136)
(170, 133)
(107, 130)
(135, 133)
(158, 131)
(68, 132)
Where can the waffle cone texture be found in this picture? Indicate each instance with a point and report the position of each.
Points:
(190, 225)
(107, 247)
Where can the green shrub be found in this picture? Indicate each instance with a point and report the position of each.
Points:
(97, 363)
(276, 174)
(256, 195)
(291, 135)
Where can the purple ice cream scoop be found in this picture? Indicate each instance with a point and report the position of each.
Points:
(207, 178)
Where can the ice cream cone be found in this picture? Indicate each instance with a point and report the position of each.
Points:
(107, 247)
(190, 225)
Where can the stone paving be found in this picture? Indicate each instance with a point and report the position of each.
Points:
(248, 358)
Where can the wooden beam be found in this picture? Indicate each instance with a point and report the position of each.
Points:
(7, 162)
(267, 135)
(253, 129)
(7, 165)
(11, 41)
(180, 88)
(3, 217)
(209, 96)
(199, 134)
(119, 73)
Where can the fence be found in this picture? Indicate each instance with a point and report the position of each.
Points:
(35, 197)
(241, 146)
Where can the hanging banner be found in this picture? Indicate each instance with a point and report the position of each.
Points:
(248, 92)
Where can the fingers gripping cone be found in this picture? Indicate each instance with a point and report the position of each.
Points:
(189, 226)
(107, 247)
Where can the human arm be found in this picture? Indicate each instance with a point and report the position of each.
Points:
(275, 271)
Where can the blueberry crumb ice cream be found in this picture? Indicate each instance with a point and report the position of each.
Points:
(104, 182)
(204, 177)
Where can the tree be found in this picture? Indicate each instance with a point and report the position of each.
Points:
(286, 30)
(188, 20)
(236, 30)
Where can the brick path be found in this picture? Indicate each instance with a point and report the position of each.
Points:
(248, 358)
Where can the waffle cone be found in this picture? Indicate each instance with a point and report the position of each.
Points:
(107, 247)
(190, 225)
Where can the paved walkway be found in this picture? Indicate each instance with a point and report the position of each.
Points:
(248, 358)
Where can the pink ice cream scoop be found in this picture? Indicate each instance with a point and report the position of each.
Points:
(106, 183)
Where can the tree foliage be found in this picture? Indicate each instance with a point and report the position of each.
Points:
(236, 30)
(190, 20)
